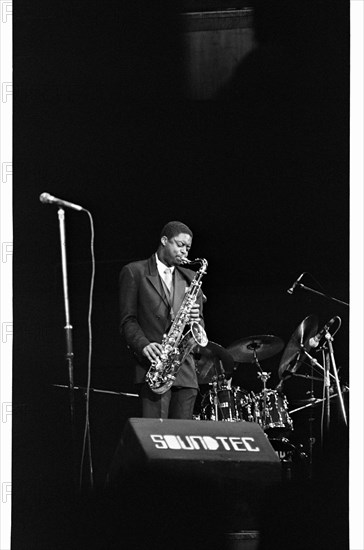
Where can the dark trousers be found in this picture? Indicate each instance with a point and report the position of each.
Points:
(175, 403)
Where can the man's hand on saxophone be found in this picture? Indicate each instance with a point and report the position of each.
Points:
(152, 351)
(195, 313)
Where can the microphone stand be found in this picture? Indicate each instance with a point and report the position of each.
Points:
(325, 421)
(326, 361)
(314, 361)
(330, 339)
(68, 327)
(327, 296)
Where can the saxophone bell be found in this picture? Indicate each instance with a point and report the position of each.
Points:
(199, 334)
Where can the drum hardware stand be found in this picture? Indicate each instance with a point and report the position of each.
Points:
(219, 382)
(263, 376)
(315, 363)
(305, 376)
(316, 401)
(311, 432)
(327, 385)
(331, 357)
(214, 388)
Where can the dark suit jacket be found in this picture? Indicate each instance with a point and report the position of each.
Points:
(145, 313)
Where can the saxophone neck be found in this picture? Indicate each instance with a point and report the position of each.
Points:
(201, 261)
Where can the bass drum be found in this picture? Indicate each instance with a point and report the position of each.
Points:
(271, 413)
(219, 405)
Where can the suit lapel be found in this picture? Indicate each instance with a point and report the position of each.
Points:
(179, 290)
(155, 280)
(180, 277)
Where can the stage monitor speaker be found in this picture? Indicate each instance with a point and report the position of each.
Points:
(223, 466)
(229, 450)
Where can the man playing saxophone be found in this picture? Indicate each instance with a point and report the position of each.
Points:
(151, 293)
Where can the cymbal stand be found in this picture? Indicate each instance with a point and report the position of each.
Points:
(263, 376)
(227, 408)
(218, 384)
(215, 382)
(327, 384)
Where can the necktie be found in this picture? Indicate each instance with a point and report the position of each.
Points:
(168, 278)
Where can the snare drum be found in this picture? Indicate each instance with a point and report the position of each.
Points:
(219, 405)
(271, 412)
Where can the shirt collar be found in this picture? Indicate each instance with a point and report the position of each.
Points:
(161, 266)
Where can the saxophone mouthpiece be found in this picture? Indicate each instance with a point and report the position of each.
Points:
(196, 261)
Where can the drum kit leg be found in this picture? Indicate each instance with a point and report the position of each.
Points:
(224, 402)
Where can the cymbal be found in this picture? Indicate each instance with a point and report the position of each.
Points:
(263, 346)
(211, 361)
(292, 355)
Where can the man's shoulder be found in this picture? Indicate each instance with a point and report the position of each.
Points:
(136, 265)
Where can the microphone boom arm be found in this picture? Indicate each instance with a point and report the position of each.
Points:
(327, 296)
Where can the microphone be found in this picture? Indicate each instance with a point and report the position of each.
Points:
(291, 290)
(46, 198)
(315, 340)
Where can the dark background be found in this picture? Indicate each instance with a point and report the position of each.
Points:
(259, 172)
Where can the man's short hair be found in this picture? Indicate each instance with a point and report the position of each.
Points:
(171, 229)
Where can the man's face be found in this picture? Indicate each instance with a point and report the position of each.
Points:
(174, 250)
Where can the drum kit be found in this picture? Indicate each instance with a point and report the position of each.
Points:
(224, 402)
(216, 368)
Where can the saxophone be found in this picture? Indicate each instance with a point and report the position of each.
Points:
(178, 342)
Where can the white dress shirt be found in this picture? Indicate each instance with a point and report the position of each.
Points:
(165, 272)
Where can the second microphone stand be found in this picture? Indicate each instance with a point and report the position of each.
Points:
(330, 361)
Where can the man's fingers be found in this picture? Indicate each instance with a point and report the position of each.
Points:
(195, 313)
(152, 351)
